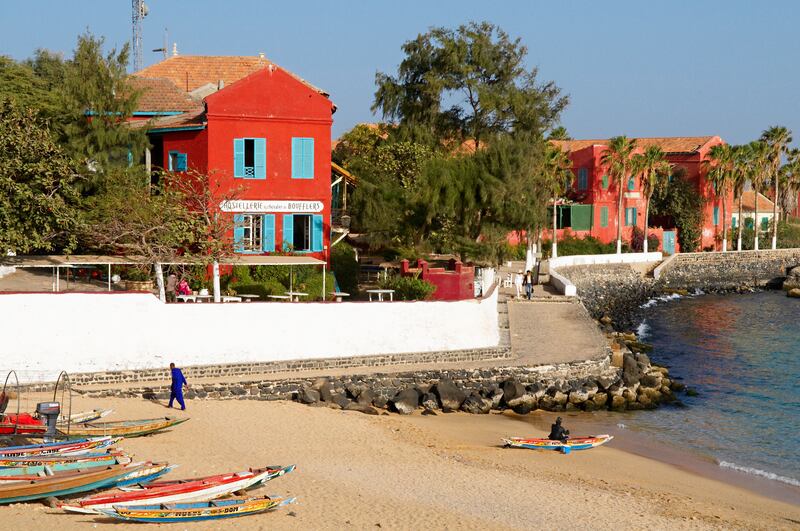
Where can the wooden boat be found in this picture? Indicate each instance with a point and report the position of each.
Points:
(22, 424)
(85, 416)
(195, 511)
(54, 459)
(199, 489)
(48, 469)
(124, 428)
(62, 483)
(145, 474)
(74, 447)
(576, 443)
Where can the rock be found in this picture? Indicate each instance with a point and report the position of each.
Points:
(319, 383)
(476, 404)
(429, 401)
(615, 390)
(617, 359)
(405, 401)
(548, 403)
(631, 372)
(629, 336)
(497, 398)
(450, 396)
(578, 396)
(307, 395)
(363, 408)
(326, 392)
(629, 395)
(524, 404)
(536, 390)
(589, 405)
(642, 358)
(792, 279)
(380, 401)
(677, 386)
(606, 320)
(511, 390)
(794, 293)
(606, 381)
(428, 412)
(366, 397)
(560, 398)
(571, 407)
(652, 380)
(341, 400)
(600, 399)
(618, 403)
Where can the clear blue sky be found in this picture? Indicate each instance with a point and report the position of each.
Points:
(641, 68)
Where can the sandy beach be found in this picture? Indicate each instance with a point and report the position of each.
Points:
(444, 472)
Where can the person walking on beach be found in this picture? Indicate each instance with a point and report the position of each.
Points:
(176, 390)
(527, 281)
(518, 283)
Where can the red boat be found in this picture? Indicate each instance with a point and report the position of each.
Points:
(21, 424)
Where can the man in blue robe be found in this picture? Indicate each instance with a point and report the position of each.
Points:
(176, 390)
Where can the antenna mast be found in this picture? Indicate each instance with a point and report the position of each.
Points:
(139, 11)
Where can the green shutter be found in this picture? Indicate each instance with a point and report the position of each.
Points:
(764, 223)
(631, 184)
(268, 233)
(238, 233)
(317, 234)
(605, 182)
(260, 158)
(604, 216)
(716, 215)
(288, 232)
(238, 157)
(182, 162)
(581, 217)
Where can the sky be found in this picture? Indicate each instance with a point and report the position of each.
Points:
(639, 68)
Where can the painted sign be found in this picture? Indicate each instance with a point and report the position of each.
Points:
(258, 207)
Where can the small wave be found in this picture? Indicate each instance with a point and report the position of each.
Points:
(761, 473)
(643, 330)
(621, 426)
(697, 292)
(663, 298)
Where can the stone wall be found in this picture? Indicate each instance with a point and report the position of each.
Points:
(729, 271)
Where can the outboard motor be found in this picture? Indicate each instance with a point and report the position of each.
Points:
(49, 412)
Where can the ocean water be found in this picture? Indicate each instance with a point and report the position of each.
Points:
(742, 355)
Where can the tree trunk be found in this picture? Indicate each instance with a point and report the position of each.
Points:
(775, 210)
(724, 224)
(755, 224)
(217, 294)
(646, 223)
(554, 251)
(162, 294)
(530, 253)
(619, 213)
(739, 232)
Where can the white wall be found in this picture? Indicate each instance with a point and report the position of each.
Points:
(590, 259)
(44, 333)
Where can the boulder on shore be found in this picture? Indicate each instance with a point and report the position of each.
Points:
(476, 404)
(794, 293)
(450, 396)
(405, 401)
(307, 395)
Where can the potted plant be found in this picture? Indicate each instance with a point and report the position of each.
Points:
(138, 280)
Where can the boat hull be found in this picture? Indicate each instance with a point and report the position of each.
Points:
(75, 447)
(124, 428)
(194, 512)
(574, 444)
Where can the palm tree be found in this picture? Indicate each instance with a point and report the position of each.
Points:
(759, 167)
(617, 158)
(778, 139)
(557, 172)
(791, 173)
(650, 165)
(739, 178)
(720, 172)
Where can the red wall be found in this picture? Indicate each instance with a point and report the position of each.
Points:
(455, 283)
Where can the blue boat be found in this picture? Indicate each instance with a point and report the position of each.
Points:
(195, 511)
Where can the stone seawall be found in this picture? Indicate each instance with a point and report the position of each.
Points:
(729, 271)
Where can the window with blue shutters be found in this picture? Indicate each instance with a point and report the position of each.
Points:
(734, 222)
(605, 182)
(303, 233)
(247, 233)
(317, 234)
(250, 158)
(177, 161)
(583, 178)
(268, 239)
(288, 232)
(302, 158)
(764, 223)
(631, 184)
(630, 217)
(716, 215)
(604, 216)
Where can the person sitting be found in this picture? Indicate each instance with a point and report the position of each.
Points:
(183, 288)
(557, 432)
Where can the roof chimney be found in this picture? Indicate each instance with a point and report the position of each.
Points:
(260, 55)
(174, 49)
(220, 84)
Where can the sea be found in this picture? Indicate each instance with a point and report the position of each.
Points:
(741, 354)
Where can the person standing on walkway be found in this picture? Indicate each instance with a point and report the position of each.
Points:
(176, 389)
(527, 281)
(518, 283)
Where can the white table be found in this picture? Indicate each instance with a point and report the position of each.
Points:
(231, 298)
(247, 297)
(380, 293)
(339, 295)
(295, 295)
(279, 297)
(186, 298)
(203, 298)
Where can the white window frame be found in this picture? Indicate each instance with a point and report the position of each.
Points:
(253, 232)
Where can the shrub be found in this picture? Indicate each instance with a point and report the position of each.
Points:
(572, 245)
(637, 241)
(345, 267)
(408, 288)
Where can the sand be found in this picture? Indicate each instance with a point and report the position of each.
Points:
(356, 471)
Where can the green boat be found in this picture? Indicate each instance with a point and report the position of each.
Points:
(48, 469)
(124, 428)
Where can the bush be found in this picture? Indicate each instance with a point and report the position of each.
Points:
(637, 241)
(408, 288)
(572, 245)
(345, 267)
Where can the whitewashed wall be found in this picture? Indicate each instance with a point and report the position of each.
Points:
(44, 333)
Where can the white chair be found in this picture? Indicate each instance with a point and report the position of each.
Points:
(508, 282)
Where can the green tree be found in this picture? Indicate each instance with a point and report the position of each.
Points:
(778, 139)
(467, 84)
(617, 158)
(759, 163)
(720, 164)
(39, 197)
(741, 175)
(680, 201)
(651, 166)
(557, 172)
(559, 133)
(20, 83)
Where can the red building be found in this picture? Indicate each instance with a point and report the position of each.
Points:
(250, 126)
(595, 195)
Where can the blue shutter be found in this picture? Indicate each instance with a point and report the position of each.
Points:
(308, 158)
(631, 184)
(633, 220)
(317, 236)
(238, 233)
(182, 162)
(268, 233)
(716, 215)
(297, 157)
(288, 231)
(260, 158)
(238, 157)
(733, 222)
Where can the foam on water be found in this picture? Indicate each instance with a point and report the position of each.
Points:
(760, 473)
(642, 330)
(663, 298)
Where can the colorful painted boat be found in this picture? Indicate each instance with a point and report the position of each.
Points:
(183, 491)
(22, 424)
(124, 428)
(576, 443)
(49, 468)
(63, 483)
(54, 459)
(141, 476)
(74, 447)
(196, 511)
(85, 416)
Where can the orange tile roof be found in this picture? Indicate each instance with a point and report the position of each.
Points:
(749, 202)
(193, 118)
(161, 95)
(190, 72)
(675, 144)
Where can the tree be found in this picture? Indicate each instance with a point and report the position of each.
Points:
(720, 164)
(791, 178)
(617, 158)
(478, 71)
(740, 176)
(39, 185)
(559, 133)
(759, 169)
(650, 165)
(21, 84)
(680, 201)
(557, 173)
(778, 139)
